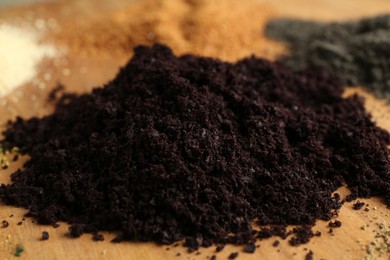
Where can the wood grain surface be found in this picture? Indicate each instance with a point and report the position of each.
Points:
(86, 72)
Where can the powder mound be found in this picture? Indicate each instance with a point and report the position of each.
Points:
(200, 27)
(195, 148)
(356, 51)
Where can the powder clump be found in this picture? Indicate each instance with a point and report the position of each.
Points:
(196, 148)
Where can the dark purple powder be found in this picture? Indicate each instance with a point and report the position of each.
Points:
(250, 248)
(55, 225)
(45, 235)
(233, 255)
(219, 248)
(302, 235)
(335, 224)
(196, 148)
(4, 224)
(267, 232)
(358, 205)
(98, 237)
(309, 256)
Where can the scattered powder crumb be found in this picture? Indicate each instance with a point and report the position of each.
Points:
(18, 250)
(335, 224)
(6, 244)
(380, 245)
(4, 152)
(250, 248)
(302, 235)
(45, 235)
(309, 256)
(55, 225)
(220, 248)
(233, 255)
(4, 224)
(358, 205)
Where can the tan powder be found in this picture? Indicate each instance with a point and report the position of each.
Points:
(226, 29)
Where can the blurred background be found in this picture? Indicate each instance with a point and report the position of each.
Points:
(81, 44)
(7, 3)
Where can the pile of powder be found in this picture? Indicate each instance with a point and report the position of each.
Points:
(208, 28)
(20, 53)
(195, 148)
(358, 52)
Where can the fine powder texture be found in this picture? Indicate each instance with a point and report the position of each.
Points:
(195, 148)
(20, 53)
(201, 27)
(358, 52)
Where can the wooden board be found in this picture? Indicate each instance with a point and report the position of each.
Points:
(86, 72)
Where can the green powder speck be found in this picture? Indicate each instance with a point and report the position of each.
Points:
(19, 250)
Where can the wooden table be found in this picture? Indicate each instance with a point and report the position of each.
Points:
(87, 72)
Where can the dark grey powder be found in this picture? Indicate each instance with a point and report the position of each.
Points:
(358, 52)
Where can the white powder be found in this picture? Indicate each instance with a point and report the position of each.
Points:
(20, 53)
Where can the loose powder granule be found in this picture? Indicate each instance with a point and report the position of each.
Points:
(219, 248)
(233, 255)
(358, 205)
(20, 53)
(4, 224)
(45, 235)
(98, 237)
(309, 256)
(335, 224)
(250, 248)
(195, 148)
(302, 235)
(357, 51)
